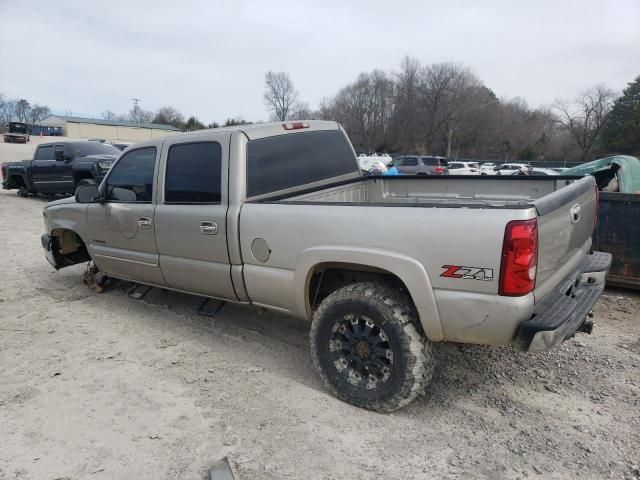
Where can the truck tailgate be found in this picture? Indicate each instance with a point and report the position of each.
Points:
(565, 224)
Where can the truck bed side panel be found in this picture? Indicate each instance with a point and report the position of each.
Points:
(434, 237)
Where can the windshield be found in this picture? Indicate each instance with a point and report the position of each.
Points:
(93, 148)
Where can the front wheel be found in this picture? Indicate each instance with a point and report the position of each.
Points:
(368, 349)
(23, 192)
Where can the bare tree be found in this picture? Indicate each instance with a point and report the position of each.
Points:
(7, 111)
(169, 116)
(585, 117)
(406, 111)
(301, 111)
(37, 113)
(109, 115)
(22, 110)
(280, 95)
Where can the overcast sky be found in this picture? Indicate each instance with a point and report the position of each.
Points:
(209, 58)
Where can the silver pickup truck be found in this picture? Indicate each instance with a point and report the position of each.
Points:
(279, 216)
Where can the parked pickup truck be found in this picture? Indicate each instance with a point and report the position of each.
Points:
(279, 216)
(59, 167)
(17, 132)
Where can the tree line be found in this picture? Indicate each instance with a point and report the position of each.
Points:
(20, 110)
(438, 109)
(168, 115)
(445, 109)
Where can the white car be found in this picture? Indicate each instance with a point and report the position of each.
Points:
(512, 169)
(464, 168)
(367, 162)
(543, 171)
(487, 168)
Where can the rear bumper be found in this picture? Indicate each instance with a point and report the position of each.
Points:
(564, 311)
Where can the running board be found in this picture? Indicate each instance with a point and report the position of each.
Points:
(138, 291)
(205, 311)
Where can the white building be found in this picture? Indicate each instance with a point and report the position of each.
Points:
(77, 127)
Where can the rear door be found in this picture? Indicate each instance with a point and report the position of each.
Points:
(408, 165)
(190, 217)
(121, 230)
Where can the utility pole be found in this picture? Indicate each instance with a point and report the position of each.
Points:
(135, 111)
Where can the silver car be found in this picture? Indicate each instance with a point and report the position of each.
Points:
(421, 165)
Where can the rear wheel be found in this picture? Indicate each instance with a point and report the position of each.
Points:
(367, 346)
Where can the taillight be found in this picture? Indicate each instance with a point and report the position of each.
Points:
(439, 169)
(295, 125)
(519, 258)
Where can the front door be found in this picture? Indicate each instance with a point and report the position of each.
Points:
(121, 229)
(43, 169)
(190, 216)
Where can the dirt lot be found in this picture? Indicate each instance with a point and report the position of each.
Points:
(102, 386)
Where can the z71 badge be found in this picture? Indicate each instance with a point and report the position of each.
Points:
(467, 273)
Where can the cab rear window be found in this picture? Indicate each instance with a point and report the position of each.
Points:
(287, 161)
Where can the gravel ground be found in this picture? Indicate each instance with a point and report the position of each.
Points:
(102, 386)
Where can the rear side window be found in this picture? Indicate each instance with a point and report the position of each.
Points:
(410, 162)
(45, 153)
(131, 179)
(286, 161)
(194, 173)
(434, 162)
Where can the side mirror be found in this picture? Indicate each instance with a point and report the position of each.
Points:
(87, 194)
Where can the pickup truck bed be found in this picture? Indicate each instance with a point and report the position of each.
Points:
(474, 218)
(279, 216)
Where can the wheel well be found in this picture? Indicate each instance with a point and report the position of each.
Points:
(16, 181)
(68, 248)
(326, 278)
(77, 176)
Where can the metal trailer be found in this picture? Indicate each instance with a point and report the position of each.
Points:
(618, 232)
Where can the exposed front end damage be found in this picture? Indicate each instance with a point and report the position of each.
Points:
(64, 248)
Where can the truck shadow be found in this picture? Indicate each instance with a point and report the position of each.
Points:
(463, 372)
(490, 378)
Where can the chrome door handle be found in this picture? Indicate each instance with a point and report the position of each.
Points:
(208, 228)
(144, 222)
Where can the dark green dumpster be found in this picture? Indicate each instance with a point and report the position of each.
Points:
(624, 168)
(618, 232)
(618, 229)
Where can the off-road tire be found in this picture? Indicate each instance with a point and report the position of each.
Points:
(86, 181)
(23, 192)
(392, 312)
